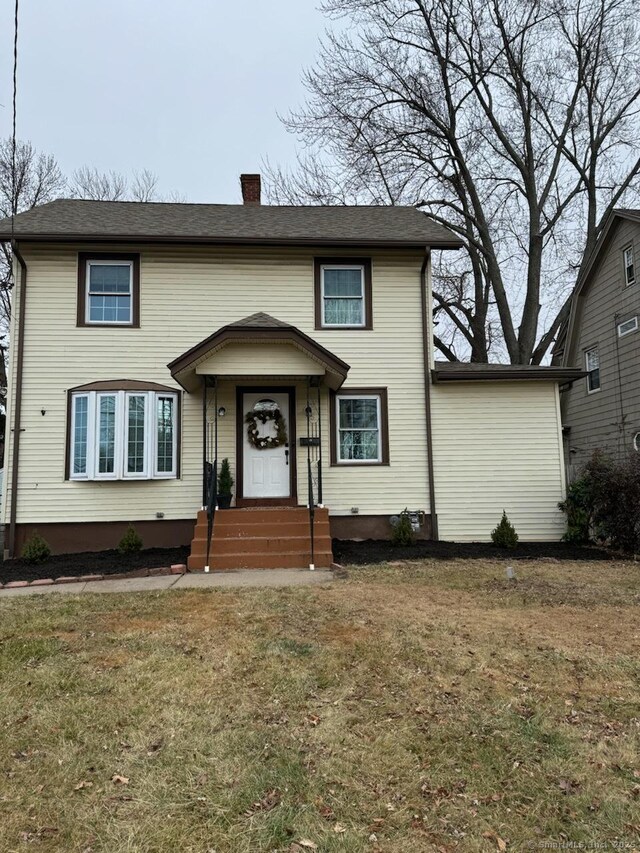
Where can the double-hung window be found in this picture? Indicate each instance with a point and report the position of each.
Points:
(343, 293)
(108, 290)
(360, 428)
(629, 265)
(123, 435)
(592, 365)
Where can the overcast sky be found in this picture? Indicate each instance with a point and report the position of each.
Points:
(187, 88)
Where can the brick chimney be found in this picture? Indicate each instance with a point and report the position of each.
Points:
(250, 189)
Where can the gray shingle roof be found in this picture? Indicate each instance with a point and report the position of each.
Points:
(457, 371)
(77, 219)
(260, 320)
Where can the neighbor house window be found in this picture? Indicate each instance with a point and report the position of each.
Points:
(343, 293)
(629, 265)
(627, 327)
(121, 435)
(592, 364)
(359, 428)
(108, 290)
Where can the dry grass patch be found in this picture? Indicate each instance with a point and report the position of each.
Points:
(411, 707)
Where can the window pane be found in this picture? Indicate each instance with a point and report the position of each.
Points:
(593, 361)
(343, 282)
(107, 435)
(359, 445)
(359, 433)
(343, 312)
(164, 414)
(110, 309)
(359, 413)
(135, 437)
(109, 278)
(80, 415)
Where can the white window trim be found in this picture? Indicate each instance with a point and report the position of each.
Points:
(164, 475)
(586, 363)
(82, 475)
(376, 397)
(632, 322)
(363, 296)
(628, 282)
(87, 293)
(144, 474)
(122, 436)
(94, 441)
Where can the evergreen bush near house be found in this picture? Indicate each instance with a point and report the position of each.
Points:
(130, 542)
(604, 503)
(403, 531)
(36, 549)
(579, 506)
(504, 535)
(225, 480)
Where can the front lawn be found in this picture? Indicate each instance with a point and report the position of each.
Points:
(412, 707)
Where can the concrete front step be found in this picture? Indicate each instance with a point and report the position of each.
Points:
(242, 529)
(261, 544)
(262, 538)
(271, 515)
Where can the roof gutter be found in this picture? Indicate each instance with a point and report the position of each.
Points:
(232, 241)
(427, 393)
(561, 375)
(17, 408)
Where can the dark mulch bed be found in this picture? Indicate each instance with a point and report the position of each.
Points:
(373, 551)
(91, 562)
(344, 552)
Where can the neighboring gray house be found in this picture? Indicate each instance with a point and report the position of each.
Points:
(602, 411)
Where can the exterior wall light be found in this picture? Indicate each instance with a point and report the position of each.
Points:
(222, 412)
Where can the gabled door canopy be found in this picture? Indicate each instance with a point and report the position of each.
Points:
(258, 329)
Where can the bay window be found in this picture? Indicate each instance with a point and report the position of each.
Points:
(122, 435)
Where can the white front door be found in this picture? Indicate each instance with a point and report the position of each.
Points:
(265, 471)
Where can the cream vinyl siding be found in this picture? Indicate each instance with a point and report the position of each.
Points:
(498, 445)
(186, 294)
(241, 360)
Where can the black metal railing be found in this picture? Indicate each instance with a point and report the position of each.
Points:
(310, 498)
(210, 449)
(314, 449)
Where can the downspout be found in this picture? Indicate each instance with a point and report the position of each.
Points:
(17, 429)
(427, 393)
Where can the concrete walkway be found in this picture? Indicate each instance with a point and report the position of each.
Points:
(227, 580)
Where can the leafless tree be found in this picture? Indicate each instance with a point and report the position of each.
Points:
(513, 122)
(37, 180)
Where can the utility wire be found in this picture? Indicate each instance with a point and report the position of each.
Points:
(14, 177)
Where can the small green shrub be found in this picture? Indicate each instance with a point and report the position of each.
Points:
(130, 542)
(225, 480)
(36, 549)
(579, 506)
(504, 535)
(403, 531)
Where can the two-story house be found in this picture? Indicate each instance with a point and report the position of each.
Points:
(149, 341)
(602, 411)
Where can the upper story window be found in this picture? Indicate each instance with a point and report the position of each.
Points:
(592, 366)
(108, 290)
(123, 434)
(629, 265)
(343, 293)
(359, 427)
(627, 327)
